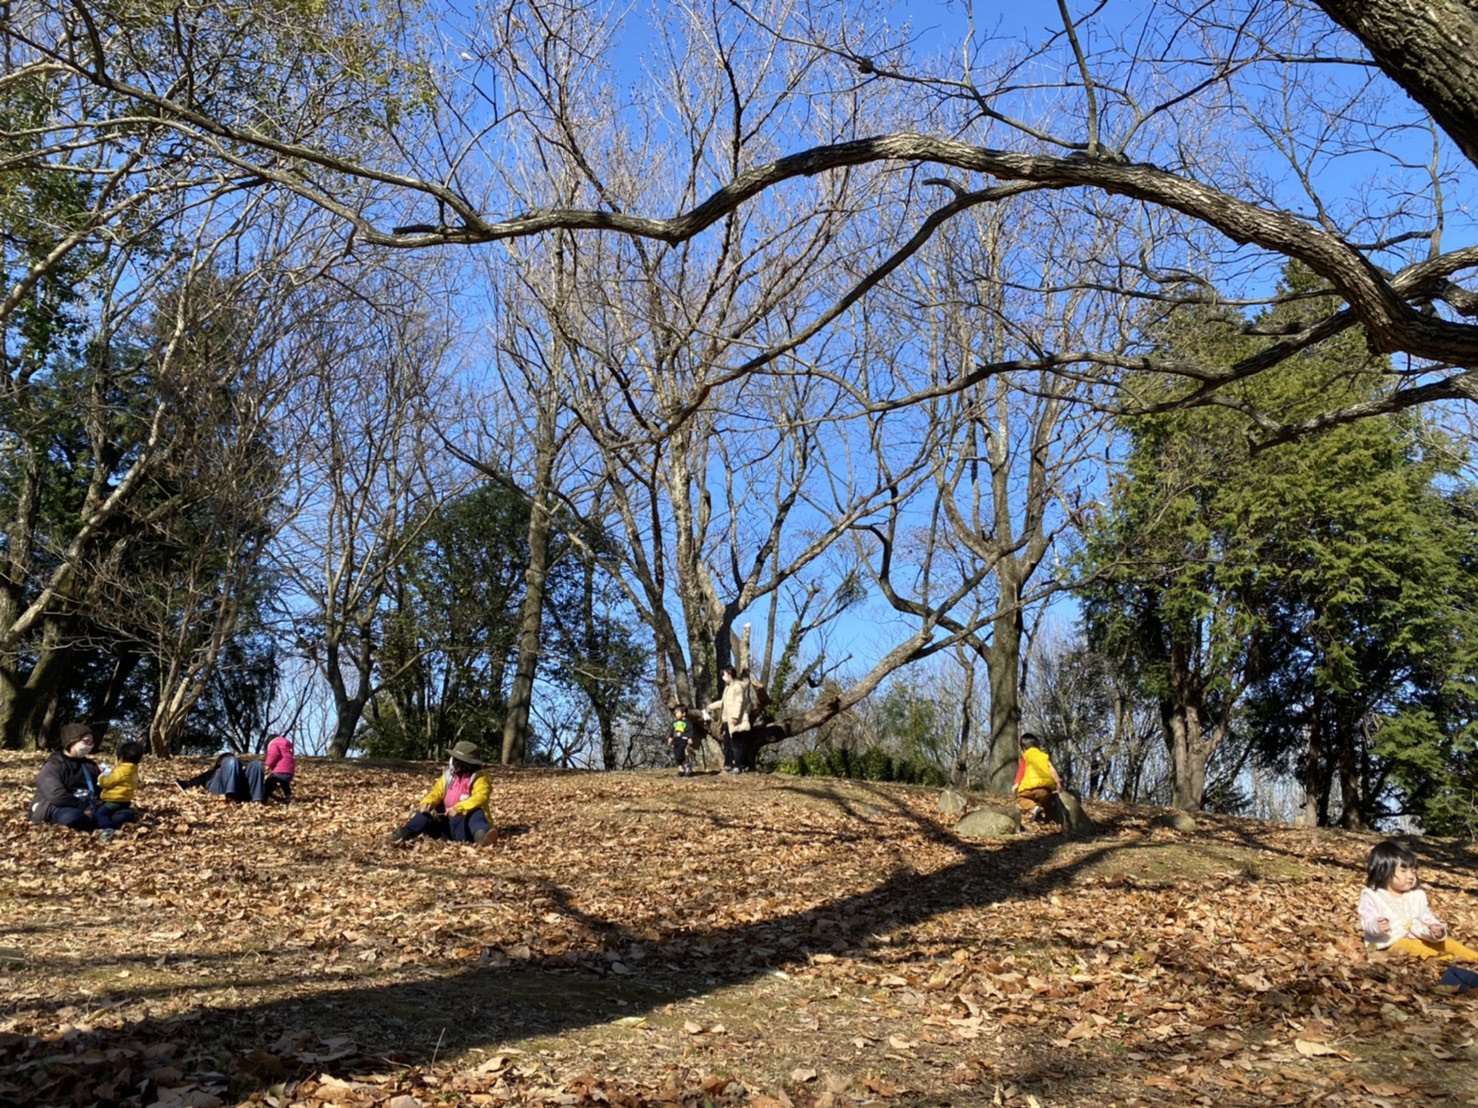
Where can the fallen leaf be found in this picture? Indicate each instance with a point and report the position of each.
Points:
(1316, 1050)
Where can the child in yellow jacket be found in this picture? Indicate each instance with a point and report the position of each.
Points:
(118, 783)
(1036, 778)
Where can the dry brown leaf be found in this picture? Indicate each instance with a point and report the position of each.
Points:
(1317, 1050)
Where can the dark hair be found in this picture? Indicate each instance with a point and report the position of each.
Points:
(130, 752)
(1384, 858)
(1030, 738)
(460, 767)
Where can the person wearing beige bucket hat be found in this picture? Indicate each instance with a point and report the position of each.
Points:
(457, 807)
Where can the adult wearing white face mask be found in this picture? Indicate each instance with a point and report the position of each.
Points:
(67, 788)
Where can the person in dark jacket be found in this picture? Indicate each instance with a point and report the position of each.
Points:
(67, 788)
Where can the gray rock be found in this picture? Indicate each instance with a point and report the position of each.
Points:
(951, 802)
(989, 823)
(1067, 810)
(1176, 821)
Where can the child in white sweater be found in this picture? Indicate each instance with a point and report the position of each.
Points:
(1394, 914)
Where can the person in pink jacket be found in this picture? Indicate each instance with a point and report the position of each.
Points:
(280, 766)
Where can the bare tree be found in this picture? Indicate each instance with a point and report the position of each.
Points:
(1426, 48)
(178, 369)
(370, 471)
(1134, 96)
(1020, 450)
(710, 426)
(527, 410)
(179, 580)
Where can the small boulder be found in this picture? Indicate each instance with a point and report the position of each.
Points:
(1067, 810)
(1176, 821)
(989, 823)
(951, 802)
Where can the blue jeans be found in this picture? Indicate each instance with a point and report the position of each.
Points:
(101, 818)
(114, 815)
(78, 819)
(237, 781)
(434, 825)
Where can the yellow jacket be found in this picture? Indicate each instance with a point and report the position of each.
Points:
(1035, 771)
(117, 785)
(479, 797)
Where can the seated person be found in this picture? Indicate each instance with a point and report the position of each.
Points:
(67, 788)
(118, 783)
(457, 806)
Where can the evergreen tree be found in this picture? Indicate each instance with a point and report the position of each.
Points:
(450, 634)
(1304, 598)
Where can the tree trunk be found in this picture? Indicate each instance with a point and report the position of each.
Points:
(531, 621)
(608, 757)
(20, 537)
(124, 664)
(1003, 674)
(1351, 780)
(1313, 756)
(961, 777)
(23, 705)
(1188, 755)
(348, 708)
(1429, 48)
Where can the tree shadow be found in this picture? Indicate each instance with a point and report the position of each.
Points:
(413, 1015)
(482, 1001)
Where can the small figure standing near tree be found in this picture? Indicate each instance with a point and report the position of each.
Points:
(733, 708)
(682, 740)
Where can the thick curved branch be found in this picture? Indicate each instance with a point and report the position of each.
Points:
(1429, 48)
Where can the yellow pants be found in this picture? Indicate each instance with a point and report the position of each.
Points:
(1448, 948)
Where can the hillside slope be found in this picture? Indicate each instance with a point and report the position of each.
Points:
(639, 939)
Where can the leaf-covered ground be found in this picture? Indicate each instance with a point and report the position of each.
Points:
(638, 939)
